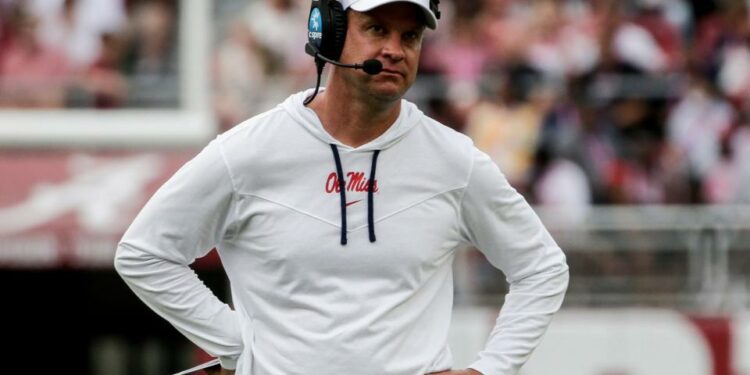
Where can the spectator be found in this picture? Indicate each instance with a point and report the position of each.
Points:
(77, 26)
(104, 81)
(508, 129)
(32, 75)
(239, 73)
(150, 61)
(729, 181)
(264, 40)
(733, 54)
(696, 124)
(557, 47)
(652, 15)
(595, 150)
(637, 178)
(279, 27)
(561, 183)
(459, 54)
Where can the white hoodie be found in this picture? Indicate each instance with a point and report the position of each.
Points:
(264, 194)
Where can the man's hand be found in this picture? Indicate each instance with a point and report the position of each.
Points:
(468, 371)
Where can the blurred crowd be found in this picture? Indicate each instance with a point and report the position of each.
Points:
(580, 102)
(602, 101)
(88, 53)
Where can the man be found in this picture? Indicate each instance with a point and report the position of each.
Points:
(337, 225)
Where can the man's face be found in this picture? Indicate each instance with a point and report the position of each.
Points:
(391, 33)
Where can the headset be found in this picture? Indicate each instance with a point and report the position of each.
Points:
(326, 34)
(326, 28)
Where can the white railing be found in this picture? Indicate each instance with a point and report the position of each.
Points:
(692, 258)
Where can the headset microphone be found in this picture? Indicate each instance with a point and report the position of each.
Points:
(371, 66)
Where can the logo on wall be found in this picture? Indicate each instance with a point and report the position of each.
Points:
(100, 192)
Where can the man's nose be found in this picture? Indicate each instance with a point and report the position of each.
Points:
(394, 48)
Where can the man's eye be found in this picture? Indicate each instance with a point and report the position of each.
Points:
(377, 29)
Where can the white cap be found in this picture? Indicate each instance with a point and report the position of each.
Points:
(366, 5)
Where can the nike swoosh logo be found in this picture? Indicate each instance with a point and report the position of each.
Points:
(351, 203)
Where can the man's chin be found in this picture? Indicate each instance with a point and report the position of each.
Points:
(388, 92)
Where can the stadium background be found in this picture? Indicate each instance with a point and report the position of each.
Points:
(625, 123)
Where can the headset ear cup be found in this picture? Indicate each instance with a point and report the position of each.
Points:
(338, 28)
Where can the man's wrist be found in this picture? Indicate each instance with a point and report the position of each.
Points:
(229, 363)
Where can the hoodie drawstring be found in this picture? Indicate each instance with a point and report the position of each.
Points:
(342, 191)
(370, 198)
(342, 194)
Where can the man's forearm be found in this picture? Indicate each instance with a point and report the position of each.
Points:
(176, 294)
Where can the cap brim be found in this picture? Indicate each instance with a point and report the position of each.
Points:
(367, 5)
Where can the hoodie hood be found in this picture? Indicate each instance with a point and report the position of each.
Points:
(408, 118)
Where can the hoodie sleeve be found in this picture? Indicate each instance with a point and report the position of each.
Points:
(184, 220)
(497, 220)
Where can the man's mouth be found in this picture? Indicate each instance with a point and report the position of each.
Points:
(394, 72)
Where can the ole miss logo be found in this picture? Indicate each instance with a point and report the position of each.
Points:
(354, 182)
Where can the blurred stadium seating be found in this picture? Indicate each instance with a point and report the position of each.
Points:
(625, 123)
